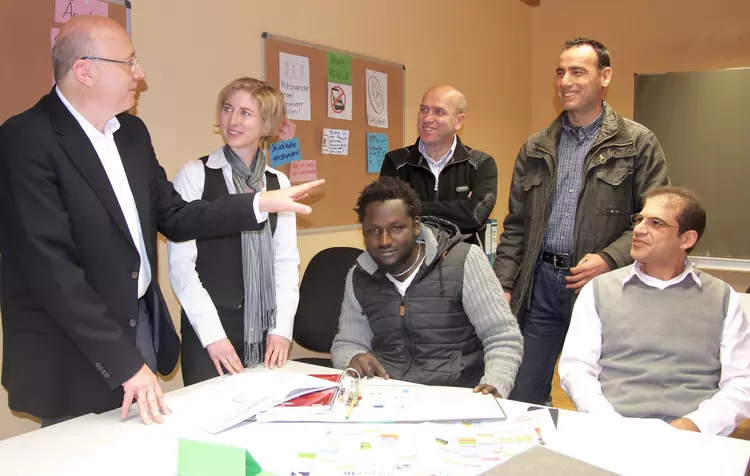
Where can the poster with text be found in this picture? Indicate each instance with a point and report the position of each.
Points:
(377, 98)
(339, 68)
(294, 84)
(377, 147)
(303, 171)
(335, 142)
(285, 151)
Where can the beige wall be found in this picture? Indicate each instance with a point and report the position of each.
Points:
(643, 36)
(190, 52)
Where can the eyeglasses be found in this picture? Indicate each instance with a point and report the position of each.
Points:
(652, 223)
(132, 63)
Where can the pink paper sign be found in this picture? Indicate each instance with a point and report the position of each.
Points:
(303, 171)
(67, 9)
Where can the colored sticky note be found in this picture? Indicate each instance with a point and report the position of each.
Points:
(303, 171)
(285, 151)
(67, 9)
(198, 458)
(339, 68)
(377, 147)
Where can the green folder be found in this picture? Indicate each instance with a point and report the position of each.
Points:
(199, 458)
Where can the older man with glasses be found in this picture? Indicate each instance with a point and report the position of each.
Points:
(82, 197)
(660, 339)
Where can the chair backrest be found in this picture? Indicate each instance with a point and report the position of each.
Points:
(320, 296)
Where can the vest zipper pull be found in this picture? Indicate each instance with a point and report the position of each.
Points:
(402, 308)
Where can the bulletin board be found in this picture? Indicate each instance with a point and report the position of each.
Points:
(345, 175)
(28, 30)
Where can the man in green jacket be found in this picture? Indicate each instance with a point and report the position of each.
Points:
(575, 185)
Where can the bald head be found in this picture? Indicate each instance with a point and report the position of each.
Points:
(81, 36)
(450, 94)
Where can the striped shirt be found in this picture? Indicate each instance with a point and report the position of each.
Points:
(574, 146)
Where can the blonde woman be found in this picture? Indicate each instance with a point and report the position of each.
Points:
(238, 293)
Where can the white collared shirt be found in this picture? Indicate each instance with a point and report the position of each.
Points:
(437, 165)
(106, 149)
(579, 362)
(186, 283)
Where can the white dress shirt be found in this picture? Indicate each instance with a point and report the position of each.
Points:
(186, 283)
(106, 149)
(579, 363)
(437, 165)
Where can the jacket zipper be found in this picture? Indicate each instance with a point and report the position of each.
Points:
(409, 350)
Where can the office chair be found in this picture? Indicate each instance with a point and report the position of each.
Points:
(320, 295)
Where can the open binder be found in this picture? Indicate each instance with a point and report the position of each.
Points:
(378, 401)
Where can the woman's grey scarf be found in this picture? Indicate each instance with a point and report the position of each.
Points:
(257, 262)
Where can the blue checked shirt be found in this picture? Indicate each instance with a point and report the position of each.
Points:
(575, 143)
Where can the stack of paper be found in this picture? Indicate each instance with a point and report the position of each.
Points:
(236, 398)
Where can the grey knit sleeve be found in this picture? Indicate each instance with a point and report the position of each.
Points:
(497, 328)
(354, 336)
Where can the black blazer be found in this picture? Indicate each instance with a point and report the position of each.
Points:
(70, 268)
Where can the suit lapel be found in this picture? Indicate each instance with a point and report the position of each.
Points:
(81, 152)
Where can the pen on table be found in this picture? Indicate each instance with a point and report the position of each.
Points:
(351, 405)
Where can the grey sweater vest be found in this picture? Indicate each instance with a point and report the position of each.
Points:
(660, 348)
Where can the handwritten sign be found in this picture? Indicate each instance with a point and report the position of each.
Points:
(377, 147)
(339, 68)
(294, 84)
(303, 171)
(335, 142)
(285, 151)
(67, 9)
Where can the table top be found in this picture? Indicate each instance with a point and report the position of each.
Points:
(104, 444)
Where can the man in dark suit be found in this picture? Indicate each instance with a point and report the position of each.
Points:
(82, 198)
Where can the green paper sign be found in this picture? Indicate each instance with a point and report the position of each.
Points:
(199, 458)
(339, 68)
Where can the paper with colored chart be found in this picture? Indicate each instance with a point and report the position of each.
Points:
(445, 449)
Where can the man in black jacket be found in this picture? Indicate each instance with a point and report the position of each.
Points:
(453, 181)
